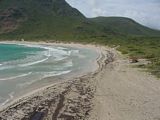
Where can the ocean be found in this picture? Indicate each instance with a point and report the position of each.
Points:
(22, 65)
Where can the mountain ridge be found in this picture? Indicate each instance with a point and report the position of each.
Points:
(126, 25)
(56, 19)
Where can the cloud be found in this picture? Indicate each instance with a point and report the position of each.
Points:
(146, 12)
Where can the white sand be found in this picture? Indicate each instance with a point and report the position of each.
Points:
(126, 93)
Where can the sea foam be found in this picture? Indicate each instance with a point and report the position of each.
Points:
(15, 77)
(11, 95)
(33, 63)
(48, 62)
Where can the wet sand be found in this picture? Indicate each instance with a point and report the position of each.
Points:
(70, 98)
(78, 69)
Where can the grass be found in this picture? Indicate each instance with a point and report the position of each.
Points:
(142, 48)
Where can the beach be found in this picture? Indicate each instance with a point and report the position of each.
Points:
(75, 87)
(115, 90)
(22, 70)
(126, 92)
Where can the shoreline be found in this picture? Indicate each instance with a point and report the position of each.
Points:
(70, 75)
(96, 48)
(116, 90)
(99, 62)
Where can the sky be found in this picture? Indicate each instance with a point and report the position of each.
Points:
(146, 12)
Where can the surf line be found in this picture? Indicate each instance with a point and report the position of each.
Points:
(33, 63)
(10, 98)
(19, 76)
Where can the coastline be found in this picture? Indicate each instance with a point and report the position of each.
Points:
(60, 87)
(54, 79)
(96, 48)
(116, 90)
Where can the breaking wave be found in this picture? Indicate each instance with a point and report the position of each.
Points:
(47, 62)
(14, 77)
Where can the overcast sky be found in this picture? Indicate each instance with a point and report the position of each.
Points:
(146, 12)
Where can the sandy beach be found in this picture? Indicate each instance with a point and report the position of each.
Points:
(72, 90)
(124, 92)
(114, 91)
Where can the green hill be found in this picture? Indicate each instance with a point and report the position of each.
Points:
(56, 19)
(125, 26)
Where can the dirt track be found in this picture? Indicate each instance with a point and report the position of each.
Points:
(126, 93)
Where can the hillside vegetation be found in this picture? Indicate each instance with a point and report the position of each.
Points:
(56, 19)
(126, 26)
(140, 48)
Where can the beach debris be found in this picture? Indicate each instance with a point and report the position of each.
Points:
(73, 102)
(133, 60)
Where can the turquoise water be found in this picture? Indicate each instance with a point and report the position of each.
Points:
(22, 66)
(10, 52)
